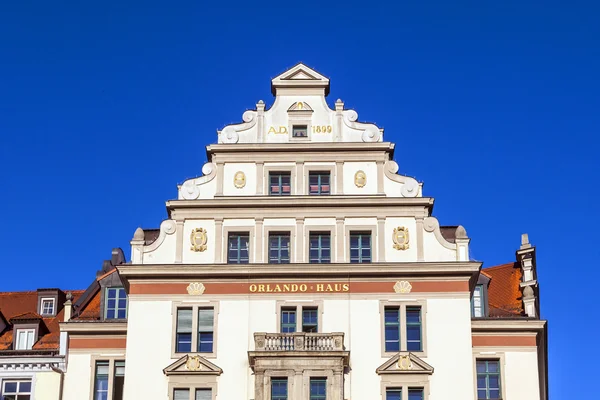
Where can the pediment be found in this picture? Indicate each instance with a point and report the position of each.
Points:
(300, 106)
(192, 365)
(300, 76)
(405, 363)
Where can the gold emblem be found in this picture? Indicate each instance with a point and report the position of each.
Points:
(193, 363)
(360, 179)
(404, 363)
(195, 289)
(402, 287)
(239, 180)
(198, 239)
(400, 238)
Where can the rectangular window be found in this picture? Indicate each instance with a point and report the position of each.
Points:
(181, 394)
(279, 248)
(392, 328)
(16, 390)
(288, 320)
(184, 330)
(300, 131)
(310, 319)
(415, 394)
(360, 247)
(477, 305)
(25, 339)
(413, 329)
(237, 252)
(320, 248)
(319, 183)
(101, 380)
(279, 388)
(318, 389)
(47, 306)
(488, 379)
(206, 320)
(118, 380)
(116, 303)
(203, 394)
(280, 184)
(393, 394)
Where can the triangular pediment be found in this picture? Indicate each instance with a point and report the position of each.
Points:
(192, 365)
(300, 76)
(405, 363)
(300, 106)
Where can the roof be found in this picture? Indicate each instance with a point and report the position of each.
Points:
(21, 307)
(90, 310)
(504, 291)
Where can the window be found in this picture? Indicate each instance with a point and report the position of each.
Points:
(280, 184)
(318, 389)
(413, 329)
(116, 303)
(184, 330)
(392, 329)
(16, 390)
(279, 389)
(319, 183)
(181, 394)
(203, 394)
(320, 248)
(393, 394)
(288, 320)
(300, 131)
(118, 380)
(237, 252)
(415, 394)
(488, 379)
(279, 248)
(47, 306)
(206, 318)
(25, 339)
(477, 303)
(200, 394)
(101, 380)
(360, 247)
(310, 318)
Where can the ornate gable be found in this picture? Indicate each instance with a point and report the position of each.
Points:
(192, 365)
(405, 363)
(300, 76)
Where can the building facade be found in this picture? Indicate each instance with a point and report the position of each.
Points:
(302, 266)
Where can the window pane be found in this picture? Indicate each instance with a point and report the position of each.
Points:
(318, 388)
(205, 319)
(203, 394)
(101, 381)
(393, 394)
(279, 388)
(205, 342)
(181, 394)
(288, 320)
(310, 319)
(10, 387)
(415, 394)
(118, 380)
(184, 320)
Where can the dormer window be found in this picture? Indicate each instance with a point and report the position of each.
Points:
(48, 306)
(25, 339)
(116, 303)
(300, 131)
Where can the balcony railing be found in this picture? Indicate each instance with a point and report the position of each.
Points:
(299, 341)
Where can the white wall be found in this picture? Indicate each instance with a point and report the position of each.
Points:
(47, 385)
(521, 375)
(78, 377)
(350, 169)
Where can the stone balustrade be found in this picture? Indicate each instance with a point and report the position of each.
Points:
(299, 341)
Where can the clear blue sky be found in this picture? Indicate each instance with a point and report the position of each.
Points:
(105, 106)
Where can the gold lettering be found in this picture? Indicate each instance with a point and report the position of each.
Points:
(282, 130)
(346, 287)
(272, 130)
(286, 287)
(294, 288)
(319, 287)
(329, 288)
(277, 288)
(303, 288)
(337, 287)
(261, 288)
(253, 288)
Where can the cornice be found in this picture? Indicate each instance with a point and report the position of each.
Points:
(95, 327)
(508, 325)
(327, 147)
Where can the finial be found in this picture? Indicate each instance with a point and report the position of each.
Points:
(69, 296)
(139, 234)
(261, 102)
(461, 232)
(527, 292)
(525, 241)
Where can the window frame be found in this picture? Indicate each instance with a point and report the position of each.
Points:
(116, 308)
(51, 299)
(195, 306)
(482, 300)
(287, 389)
(269, 168)
(355, 231)
(320, 233)
(322, 168)
(319, 379)
(231, 233)
(25, 328)
(299, 307)
(280, 173)
(299, 125)
(111, 359)
(281, 233)
(227, 229)
(18, 381)
(405, 382)
(192, 384)
(500, 361)
(319, 175)
(383, 304)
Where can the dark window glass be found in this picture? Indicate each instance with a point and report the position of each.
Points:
(118, 380)
(319, 183)
(360, 247)
(15, 390)
(279, 389)
(184, 330)
(318, 389)
(415, 394)
(300, 131)
(101, 380)
(320, 248)
(392, 328)
(288, 320)
(280, 184)
(310, 319)
(116, 303)
(237, 249)
(279, 248)
(205, 329)
(393, 394)
(488, 379)
(413, 328)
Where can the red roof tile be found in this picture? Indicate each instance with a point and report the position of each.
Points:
(504, 292)
(91, 310)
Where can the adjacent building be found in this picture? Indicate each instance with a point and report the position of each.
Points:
(301, 266)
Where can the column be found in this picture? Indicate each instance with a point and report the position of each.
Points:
(259, 385)
(380, 175)
(299, 189)
(300, 251)
(179, 242)
(259, 235)
(260, 174)
(219, 178)
(339, 177)
(339, 240)
(218, 240)
(420, 250)
(380, 239)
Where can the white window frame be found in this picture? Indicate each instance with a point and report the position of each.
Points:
(195, 306)
(53, 301)
(18, 393)
(21, 331)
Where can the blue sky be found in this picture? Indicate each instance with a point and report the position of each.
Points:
(106, 106)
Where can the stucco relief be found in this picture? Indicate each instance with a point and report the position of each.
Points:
(371, 133)
(167, 227)
(198, 239)
(231, 133)
(400, 238)
(360, 179)
(410, 186)
(196, 289)
(402, 287)
(190, 189)
(431, 224)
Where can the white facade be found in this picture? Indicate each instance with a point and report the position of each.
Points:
(411, 265)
